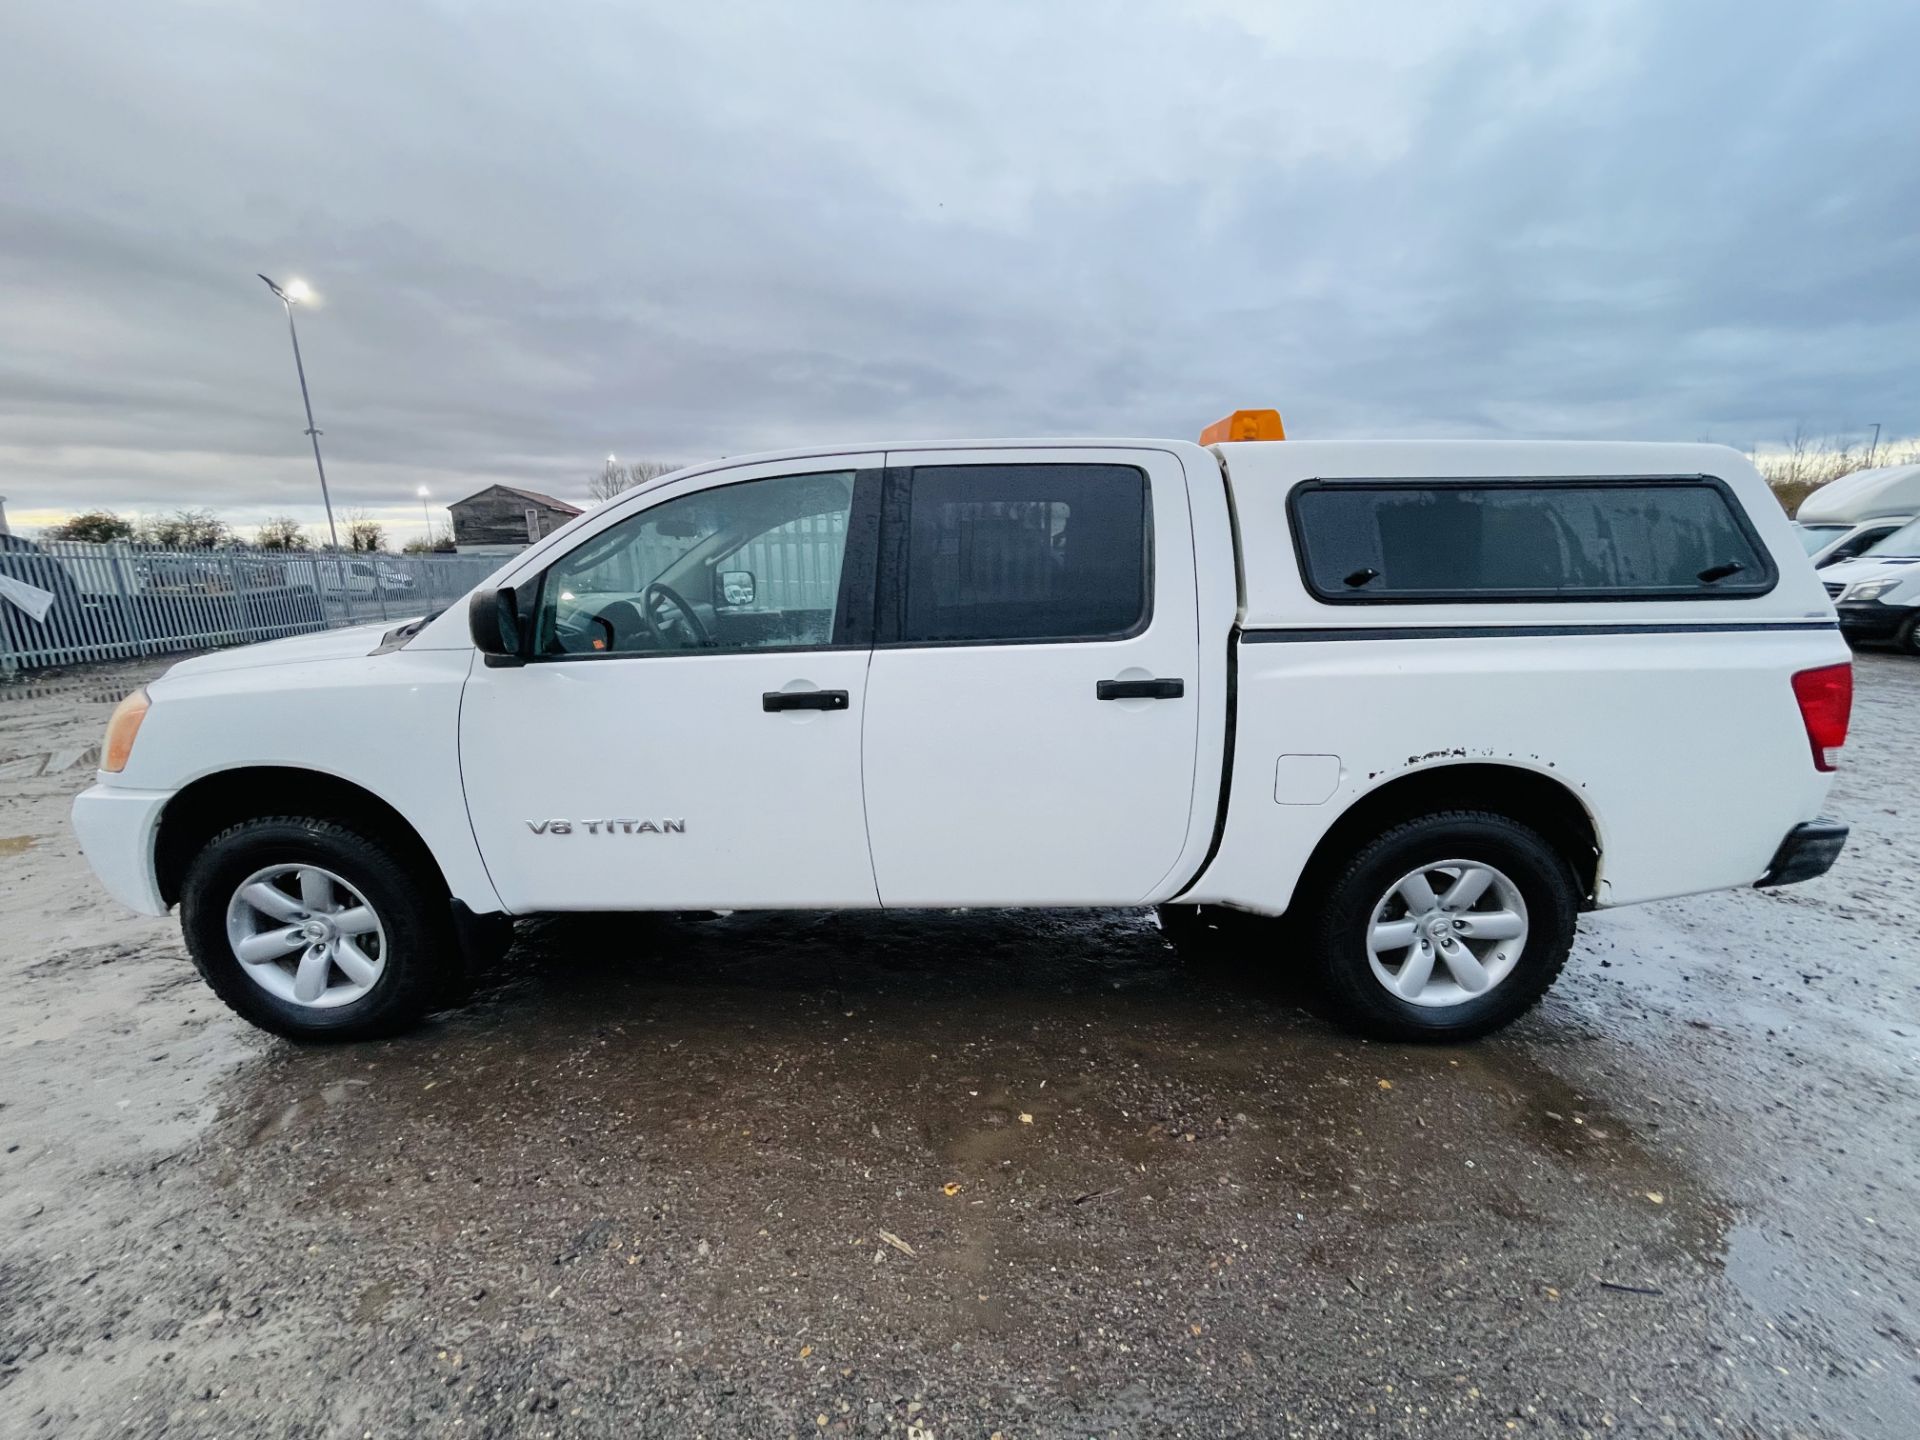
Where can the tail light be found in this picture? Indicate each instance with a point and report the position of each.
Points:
(1826, 700)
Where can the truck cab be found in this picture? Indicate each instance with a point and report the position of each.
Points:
(1429, 700)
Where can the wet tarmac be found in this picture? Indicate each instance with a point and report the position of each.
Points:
(953, 1175)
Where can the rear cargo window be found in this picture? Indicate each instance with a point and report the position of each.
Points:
(1025, 552)
(1413, 541)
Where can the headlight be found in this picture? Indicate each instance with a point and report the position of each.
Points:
(122, 726)
(1868, 589)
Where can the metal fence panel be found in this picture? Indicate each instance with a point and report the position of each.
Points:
(122, 600)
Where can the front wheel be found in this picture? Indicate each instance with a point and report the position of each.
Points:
(1909, 636)
(317, 931)
(1446, 927)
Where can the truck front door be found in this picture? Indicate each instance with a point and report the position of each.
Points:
(1032, 704)
(686, 734)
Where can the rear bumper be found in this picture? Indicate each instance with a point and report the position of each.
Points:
(1809, 850)
(1870, 620)
(116, 829)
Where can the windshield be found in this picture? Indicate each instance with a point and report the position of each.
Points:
(1812, 537)
(1903, 543)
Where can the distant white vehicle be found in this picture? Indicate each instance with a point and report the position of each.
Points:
(1878, 594)
(1849, 516)
(1433, 699)
(357, 576)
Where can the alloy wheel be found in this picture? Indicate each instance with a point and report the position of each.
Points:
(306, 936)
(1447, 933)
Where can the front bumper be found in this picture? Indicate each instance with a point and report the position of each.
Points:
(1809, 850)
(1871, 620)
(116, 829)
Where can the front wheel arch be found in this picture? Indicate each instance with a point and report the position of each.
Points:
(227, 797)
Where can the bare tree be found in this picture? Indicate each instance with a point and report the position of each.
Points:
(281, 532)
(97, 526)
(364, 533)
(615, 477)
(186, 530)
(1800, 465)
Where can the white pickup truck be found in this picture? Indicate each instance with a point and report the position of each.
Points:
(1429, 699)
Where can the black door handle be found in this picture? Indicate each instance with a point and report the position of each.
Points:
(1140, 689)
(803, 700)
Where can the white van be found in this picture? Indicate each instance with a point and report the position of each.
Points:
(1878, 595)
(1847, 517)
(1431, 699)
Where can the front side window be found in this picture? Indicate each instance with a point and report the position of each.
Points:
(1025, 552)
(1514, 540)
(753, 565)
(1858, 545)
(1903, 544)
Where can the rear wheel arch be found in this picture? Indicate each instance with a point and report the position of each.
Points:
(1542, 802)
(227, 797)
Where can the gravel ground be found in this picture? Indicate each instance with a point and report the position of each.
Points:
(960, 1175)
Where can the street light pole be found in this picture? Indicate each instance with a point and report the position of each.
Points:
(425, 517)
(288, 298)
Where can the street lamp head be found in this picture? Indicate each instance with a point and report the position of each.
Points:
(423, 492)
(292, 293)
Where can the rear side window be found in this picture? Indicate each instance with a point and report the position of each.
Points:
(1025, 552)
(1412, 541)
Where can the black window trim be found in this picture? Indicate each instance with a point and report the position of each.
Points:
(890, 592)
(853, 611)
(1761, 585)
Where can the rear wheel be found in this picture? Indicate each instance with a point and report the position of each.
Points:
(317, 931)
(1446, 927)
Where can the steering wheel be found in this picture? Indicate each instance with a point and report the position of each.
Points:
(651, 599)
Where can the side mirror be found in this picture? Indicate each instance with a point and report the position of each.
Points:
(493, 620)
(736, 587)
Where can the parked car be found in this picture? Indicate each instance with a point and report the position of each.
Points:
(1431, 700)
(1847, 517)
(173, 574)
(355, 575)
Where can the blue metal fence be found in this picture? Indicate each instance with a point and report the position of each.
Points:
(69, 603)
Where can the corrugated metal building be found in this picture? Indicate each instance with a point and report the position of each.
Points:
(504, 518)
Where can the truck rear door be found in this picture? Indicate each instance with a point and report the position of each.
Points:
(1032, 702)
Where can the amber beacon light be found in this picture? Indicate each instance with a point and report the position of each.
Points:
(1245, 425)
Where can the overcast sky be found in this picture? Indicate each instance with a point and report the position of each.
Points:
(545, 231)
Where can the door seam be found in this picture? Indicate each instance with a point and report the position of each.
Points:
(866, 819)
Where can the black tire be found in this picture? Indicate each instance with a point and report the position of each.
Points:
(1909, 637)
(1340, 924)
(420, 971)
